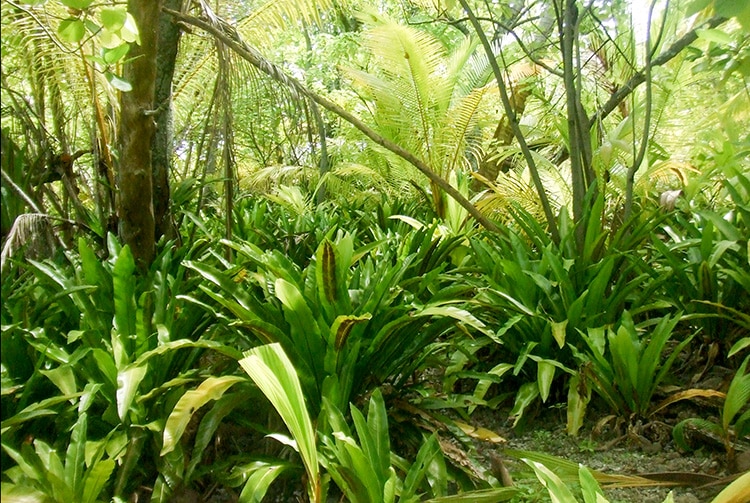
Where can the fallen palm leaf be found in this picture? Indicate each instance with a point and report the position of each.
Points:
(690, 479)
(479, 433)
(568, 471)
(687, 395)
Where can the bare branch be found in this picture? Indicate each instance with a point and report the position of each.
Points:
(640, 77)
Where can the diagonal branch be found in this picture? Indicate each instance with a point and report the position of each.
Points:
(229, 36)
(513, 121)
(640, 77)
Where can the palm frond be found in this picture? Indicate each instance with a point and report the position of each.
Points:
(264, 21)
(454, 137)
(32, 232)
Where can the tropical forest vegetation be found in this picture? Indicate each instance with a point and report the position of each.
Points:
(352, 251)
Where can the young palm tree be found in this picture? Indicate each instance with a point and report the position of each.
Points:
(423, 96)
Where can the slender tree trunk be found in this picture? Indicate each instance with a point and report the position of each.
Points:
(579, 147)
(137, 227)
(162, 147)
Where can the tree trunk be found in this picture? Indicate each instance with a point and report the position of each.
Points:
(161, 150)
(136, 134)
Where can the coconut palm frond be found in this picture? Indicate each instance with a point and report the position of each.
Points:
(409, 61)
(455, 68)
(506, 192)
(355, 182)
(36, 61)
(455, 135)
(395, 117)
(292, 198)
(360, 171)
(194, 69)
(665, 175)
(263, 22)
(32, 233)
(264, 179)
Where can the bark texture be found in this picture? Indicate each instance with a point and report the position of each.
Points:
(162, 148)
(137, 228)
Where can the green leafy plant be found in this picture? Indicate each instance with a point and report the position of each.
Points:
(81, 475)
(541, 296)
(560, 492)
(625, 367)
(350, 320)
(706, 263)
(94, 322)
(734, 416)
(364, 468)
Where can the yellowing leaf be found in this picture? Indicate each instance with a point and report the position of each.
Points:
(558, 332)
(480, 433)
(210, 389)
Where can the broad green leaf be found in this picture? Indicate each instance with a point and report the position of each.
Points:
(270, 369)
(38, 409)
(328, 277)
(77, 4)
(545, 374)
(739, 346)
(483, 385)
(63, 377)
(651, 357)
(696, 6)
(115, 54)
(210, 423)
(128, 381)
(259, 481)
(456, 313)
(55, 470)
(30, 464)
(118, 83)
(186, 343)
(211, 389)
(377, 476)
(123, 279)
(729, 8)
(21, 494)
(525, 397)
(589, 486)
(377, 421)
(76, 453)
(95, 480)
(558, 491)
(738, 395)
(110, 39)
(71, 30)
(342, 327)
(113, 18)
(578, 398)
(129, 32)
(305, 331)
(418, 470)
(558, 331)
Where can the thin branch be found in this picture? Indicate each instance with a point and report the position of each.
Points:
(229, 36)
(511, 31)
(513, 121)
(640, 76)
(19, 191)
(42, 26)
(638, 158)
